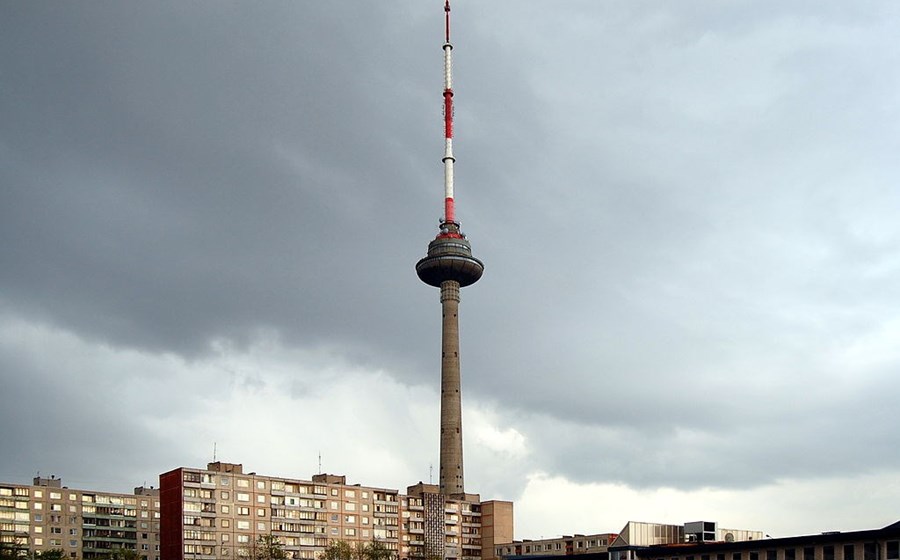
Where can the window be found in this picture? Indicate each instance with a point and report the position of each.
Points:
(260, 512)
(350, 532)
(243, 510)
(38, 505)
(349, 519)
(243, 483)
(260, 498)
(893, 549)
(735, 556)
(334, 505)
(55, 496)
(223, 494)
(869, 551)
(38, 518)
(350, 506)
(37, 493)
(243, 497)
(349, 493)
(334, 492)
(261, 484)
(754, 556)
(38, 541)
(771, 555)
(365, 507)
(260, 526)
(790, 554)
(226, 509)
(828, 552)
(245, 525)
(848, 551)
(226, 523)
(809, 553)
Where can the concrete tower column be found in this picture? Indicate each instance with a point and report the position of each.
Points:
(451, 475)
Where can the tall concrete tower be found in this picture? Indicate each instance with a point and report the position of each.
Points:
(449, 265)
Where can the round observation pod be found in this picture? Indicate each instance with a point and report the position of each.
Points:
(449, 258)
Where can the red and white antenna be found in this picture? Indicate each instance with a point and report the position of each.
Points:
(449, 214)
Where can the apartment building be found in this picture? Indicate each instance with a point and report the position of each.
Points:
(85, 524)
(220, 512)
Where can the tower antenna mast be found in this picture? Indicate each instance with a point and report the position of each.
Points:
(449, 160)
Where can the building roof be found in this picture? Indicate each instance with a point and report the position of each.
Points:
(892, 530)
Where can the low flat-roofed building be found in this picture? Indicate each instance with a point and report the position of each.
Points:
(874, 544)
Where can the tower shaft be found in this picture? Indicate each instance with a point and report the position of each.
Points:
(451, 475)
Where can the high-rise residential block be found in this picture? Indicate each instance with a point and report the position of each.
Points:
(84, 524)
(221, 512)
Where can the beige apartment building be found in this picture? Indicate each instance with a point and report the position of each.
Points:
(220, 512)
(85, 524)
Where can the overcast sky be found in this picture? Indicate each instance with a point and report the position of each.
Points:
(688, 214)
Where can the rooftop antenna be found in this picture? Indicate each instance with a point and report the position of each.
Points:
(320, 462)
(214, 452)
(430, 473)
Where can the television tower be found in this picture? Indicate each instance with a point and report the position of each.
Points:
(449, 265)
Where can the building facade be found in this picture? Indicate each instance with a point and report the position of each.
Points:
(875, 544)
(635, 535)
(557, 546)
(84, 524)
(220, 512)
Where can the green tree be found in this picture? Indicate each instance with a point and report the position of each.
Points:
(52, 554)
(8, 551)
(342, 550)
(268, 547)
(339, 550)
(124, 554)
(376, 550)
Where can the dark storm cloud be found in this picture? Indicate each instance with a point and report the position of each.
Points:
(687, 212)
(187, 172)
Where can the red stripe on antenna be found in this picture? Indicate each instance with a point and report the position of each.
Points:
(449, 210)
(448, 113)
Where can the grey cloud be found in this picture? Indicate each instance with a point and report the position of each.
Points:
(682, 209)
